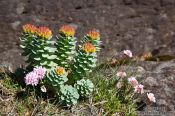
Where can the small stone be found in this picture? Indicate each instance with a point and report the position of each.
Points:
(20, 8)
(150, 30)
(140, 69)
(151, 81)
(15, 24)
(161, 102)
(150, 37)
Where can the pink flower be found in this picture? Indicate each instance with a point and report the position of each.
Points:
(138, 88)
(40, 71)
(121, 74)
(128, 53)
(151, 97)
(43, 89)
(31, 79)
(133, 81)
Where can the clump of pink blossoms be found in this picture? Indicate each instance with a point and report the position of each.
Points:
(40, 71)
(138, 88)
(133, 81)
(121, 74)
(128, 53)
(33, 77)
(151, 97)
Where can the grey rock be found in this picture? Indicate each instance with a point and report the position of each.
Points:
(151, 81)
(15, 24)
(159, 79)
(141, 26)
(20, 8)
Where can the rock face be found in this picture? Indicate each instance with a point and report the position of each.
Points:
(159, 79)
(139, 25)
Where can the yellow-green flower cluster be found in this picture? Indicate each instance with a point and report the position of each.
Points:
(60, 71)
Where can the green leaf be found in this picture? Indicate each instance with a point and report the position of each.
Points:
(38, 59)
(44, 63)
(52, 57)
(45, 55)
(52, 50)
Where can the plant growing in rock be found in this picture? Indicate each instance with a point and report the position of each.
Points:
(36, 45)
(65, 44)
(68, 95)
(56, 77)
(65, 66)
(65, 69)
(85, 87)
(130, 90)
(92, 37)
(84, 61)
(29, 32)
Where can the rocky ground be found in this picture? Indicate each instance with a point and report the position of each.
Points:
(139, 25)
(158, 78)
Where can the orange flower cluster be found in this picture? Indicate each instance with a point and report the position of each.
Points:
(44, 32)
(89, 48)
(67, 30)
(60, 71)
(93, 34)
(28, 28)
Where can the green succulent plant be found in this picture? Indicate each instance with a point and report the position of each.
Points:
(26, 39)
(84, 61)
(56, 77)
(41, 51)
(92, 37)
(37, 47)
(66, 45)
(84, 87)
(68, 95)
(42, 54)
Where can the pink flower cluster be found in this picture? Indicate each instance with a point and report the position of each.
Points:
(133, 81)
(121, 74)
(40, 71)
(127, 53)
(138, 88)
(151, 97)
(33, 77)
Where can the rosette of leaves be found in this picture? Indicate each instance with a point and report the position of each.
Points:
(68, 95)
(39, 51)
(84, 87)
(93, 37)
(56, 77)
(84, 61)
(65, 44)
